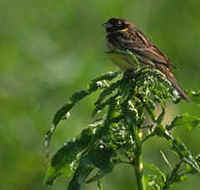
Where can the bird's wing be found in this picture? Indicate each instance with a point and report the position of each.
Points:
(151, 51)
(153, 55)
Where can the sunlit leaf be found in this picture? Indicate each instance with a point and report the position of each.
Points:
(121, 129)
(75, 98)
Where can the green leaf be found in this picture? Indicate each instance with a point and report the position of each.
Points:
(60, 163)
(180, 148)
(160, 175)
(80, 175)
(62, 113)
(99, 157)
(160, 117)
(194, 96)
(108, 76)
(99, 174)
(106, 92)
(150, 107)
(151, 182)
(174, 176)
(185, 120)
(99, 185)
(113, 134)
(99, 107)
(184, 154)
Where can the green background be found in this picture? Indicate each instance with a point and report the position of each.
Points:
(50, 49)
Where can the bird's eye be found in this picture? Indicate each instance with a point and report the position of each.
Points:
(119, 22)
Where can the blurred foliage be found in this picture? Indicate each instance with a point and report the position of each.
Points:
(50, 49)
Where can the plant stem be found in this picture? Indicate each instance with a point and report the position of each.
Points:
(138, 164)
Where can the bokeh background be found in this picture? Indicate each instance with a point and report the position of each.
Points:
(50, 49)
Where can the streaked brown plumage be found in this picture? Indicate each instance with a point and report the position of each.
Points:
(124, 35)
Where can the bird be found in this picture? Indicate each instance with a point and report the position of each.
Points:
(124, 35)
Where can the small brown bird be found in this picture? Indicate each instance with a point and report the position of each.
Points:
(124, 35)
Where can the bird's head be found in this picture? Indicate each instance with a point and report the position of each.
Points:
(117, 24)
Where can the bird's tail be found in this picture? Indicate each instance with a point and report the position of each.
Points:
(174, 82)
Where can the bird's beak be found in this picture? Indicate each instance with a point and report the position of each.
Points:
(107, 25)
(104, 24)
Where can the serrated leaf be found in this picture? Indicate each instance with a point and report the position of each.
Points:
(106, 92)
(98, 157)
(100, 107)
(60, 163)
(184, 154)
(75, 98)
(125, 99)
